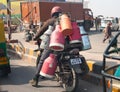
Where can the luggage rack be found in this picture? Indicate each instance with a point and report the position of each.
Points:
(109, 73)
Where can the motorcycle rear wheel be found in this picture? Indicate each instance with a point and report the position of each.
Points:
(72, 83)
(68, 79)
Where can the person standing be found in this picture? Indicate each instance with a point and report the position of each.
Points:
(108, 32)
(97, 23)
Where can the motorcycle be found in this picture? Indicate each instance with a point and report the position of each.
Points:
(70, 65)
(65, 64)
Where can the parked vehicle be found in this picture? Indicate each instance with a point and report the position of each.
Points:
(114, 26)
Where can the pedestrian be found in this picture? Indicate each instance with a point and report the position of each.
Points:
(108, 32)
(55, 12)
(97, 23)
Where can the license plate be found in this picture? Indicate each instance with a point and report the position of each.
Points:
(75, 61)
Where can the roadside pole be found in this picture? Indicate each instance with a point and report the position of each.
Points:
(9, 19)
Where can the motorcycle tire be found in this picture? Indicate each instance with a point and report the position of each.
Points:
(73, 82)
(69, 79)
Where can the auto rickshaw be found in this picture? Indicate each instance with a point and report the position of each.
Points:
(4, 60)
(111, 71)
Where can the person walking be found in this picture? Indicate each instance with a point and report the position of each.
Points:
(108, 32)
(55, 12)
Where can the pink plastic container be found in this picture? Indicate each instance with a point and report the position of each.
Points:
(57, 39)
(49, 67)
(75, 37)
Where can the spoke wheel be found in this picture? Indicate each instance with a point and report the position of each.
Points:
(71, 83)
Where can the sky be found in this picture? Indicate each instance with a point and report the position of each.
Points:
(108, 8)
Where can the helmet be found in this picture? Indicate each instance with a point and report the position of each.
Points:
(56, 9)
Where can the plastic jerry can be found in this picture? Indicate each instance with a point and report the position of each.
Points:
(49, 66)
(57, 40)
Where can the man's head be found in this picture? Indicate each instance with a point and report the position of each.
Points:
(56, 10)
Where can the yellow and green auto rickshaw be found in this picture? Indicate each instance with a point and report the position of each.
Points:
(4, 60)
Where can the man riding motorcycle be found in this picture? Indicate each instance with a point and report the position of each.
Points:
(55, 12)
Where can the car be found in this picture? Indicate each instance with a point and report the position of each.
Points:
(114, 26)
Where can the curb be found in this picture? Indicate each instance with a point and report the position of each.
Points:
(94, 76)
(23, 51)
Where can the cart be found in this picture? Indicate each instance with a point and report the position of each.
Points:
(4, 60)
(111, 73)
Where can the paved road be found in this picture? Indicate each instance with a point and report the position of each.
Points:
(22, 72)
(98, 47)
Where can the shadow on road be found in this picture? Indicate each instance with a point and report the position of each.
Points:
(19, 75)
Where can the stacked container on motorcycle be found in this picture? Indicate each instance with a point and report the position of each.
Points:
(66, 62)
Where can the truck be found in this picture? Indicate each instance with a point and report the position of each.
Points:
(88, 18)
(39, 11)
